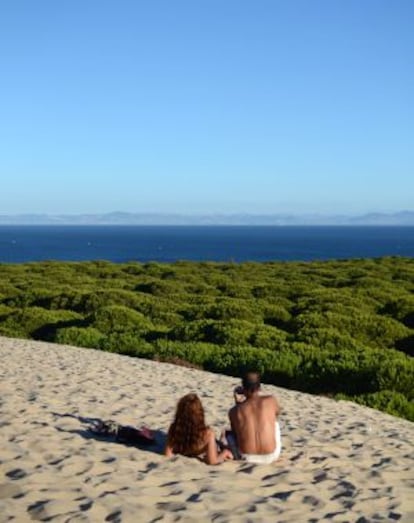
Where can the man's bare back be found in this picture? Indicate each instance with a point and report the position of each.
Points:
(253, 422)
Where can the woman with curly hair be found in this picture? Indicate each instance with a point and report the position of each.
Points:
(189, 435)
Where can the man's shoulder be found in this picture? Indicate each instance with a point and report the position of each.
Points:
(270, 400)
(233, 410)
(239, 409)
(267, 397)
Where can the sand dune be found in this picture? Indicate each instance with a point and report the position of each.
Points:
(340, 461)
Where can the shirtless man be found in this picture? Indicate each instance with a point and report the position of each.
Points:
(254, 422)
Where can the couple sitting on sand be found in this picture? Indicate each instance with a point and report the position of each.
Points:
(255, 434)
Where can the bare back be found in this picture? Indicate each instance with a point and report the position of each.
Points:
(253, 422)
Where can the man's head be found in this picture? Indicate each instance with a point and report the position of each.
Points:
(251, 383)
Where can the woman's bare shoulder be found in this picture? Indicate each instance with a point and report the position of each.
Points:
(209, 434)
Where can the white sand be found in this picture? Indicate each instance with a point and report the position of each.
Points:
(340, 461)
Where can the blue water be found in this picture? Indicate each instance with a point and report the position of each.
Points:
(170, 243)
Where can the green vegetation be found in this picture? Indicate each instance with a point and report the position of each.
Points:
(344, 328)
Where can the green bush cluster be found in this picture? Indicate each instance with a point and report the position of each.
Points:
(343, 328)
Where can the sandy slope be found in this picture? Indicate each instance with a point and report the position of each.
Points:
(340, 462)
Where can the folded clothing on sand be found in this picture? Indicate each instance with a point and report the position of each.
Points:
(133, 436)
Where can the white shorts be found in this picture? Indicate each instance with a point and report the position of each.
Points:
(266, 458)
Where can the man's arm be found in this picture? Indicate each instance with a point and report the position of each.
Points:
(232, 418)
(232, 437)
(277, 406)
(238, 395)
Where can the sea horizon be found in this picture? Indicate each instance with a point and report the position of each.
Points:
(377, 218)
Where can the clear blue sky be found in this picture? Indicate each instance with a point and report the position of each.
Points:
(258, 106)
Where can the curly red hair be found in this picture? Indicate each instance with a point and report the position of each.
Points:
(187, 432)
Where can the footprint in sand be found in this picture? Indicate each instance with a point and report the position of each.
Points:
(16, 474)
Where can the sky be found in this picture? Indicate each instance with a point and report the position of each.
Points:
(206, 106)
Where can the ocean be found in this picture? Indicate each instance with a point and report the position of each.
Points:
(204, 243)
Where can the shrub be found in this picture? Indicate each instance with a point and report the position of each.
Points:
(389, 401)
(116, 318)
(80, 337)
(277, 316)
(266, 337)
(128, 344)
(36, 322)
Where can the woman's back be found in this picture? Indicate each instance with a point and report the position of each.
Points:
(188, 434)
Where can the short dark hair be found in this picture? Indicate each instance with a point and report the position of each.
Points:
(251, 381)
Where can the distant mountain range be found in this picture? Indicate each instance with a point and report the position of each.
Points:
(124, 218)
